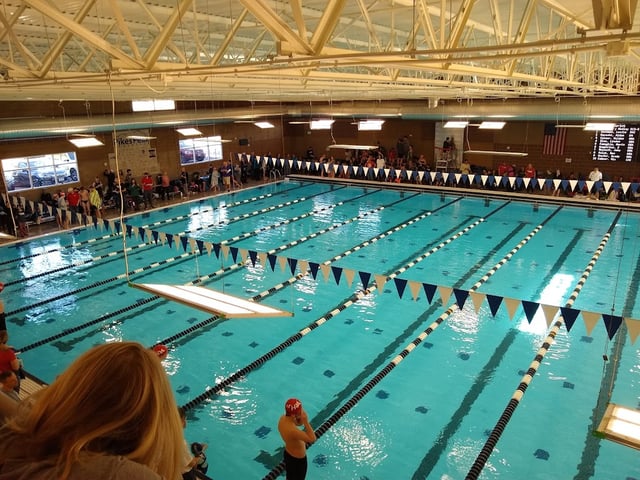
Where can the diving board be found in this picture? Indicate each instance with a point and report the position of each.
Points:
(212, 301)
(621, 425)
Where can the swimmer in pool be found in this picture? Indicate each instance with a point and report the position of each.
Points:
(295, 439)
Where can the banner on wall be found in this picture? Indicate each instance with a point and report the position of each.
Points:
(135, 152)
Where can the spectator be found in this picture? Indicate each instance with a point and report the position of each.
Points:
(147, 189)
(189, 460)
(596, 177)
(8, 384)
(110, 415)
(96, 202)
(165, 182)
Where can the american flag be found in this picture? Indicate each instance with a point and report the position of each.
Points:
(554, 140)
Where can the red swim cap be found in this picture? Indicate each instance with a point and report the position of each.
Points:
(293, 407)
(161, 351)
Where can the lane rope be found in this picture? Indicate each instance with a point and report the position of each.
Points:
(514, 402)
(353, 401)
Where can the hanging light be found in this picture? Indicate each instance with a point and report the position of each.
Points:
(490, 125)
(456, 124)
(189, 132)
(83, 142)
(322, 124)
(264, 124)
(599, 127)
(370, 125)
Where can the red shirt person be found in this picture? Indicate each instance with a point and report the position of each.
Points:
(147, 189)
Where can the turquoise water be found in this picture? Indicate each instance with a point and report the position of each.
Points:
(427, 417)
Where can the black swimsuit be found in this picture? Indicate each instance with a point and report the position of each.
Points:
(296, 467)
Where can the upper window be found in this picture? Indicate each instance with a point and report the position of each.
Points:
(202, 149)
(38, 171)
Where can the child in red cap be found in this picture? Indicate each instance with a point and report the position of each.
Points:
(295, 440)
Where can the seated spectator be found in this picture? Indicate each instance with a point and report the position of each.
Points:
(8, 385)
(135, 195)
(110, 415)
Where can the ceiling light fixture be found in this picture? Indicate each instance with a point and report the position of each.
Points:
(495, 152)
(370, 125)
(492, 125)
(323, 124)
(140, 137)
(456, 124)
(152, 105)
(599, 127)
(189, 132)
(264, 124)
(347, 146)
(83, 142)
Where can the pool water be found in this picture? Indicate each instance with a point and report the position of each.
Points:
(425, 416)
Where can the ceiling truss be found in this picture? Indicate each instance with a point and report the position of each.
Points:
(312, 50)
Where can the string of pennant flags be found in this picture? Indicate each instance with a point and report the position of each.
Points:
(415, 289)
(438, 177)
(612, 323)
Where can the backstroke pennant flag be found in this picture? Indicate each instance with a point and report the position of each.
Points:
(554, 140)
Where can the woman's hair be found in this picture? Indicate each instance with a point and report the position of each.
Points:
(4, 336)
(115, 399)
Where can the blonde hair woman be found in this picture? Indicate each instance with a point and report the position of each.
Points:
(110, 415)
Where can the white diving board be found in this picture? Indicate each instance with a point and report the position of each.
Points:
(212, 301)
(621, 425)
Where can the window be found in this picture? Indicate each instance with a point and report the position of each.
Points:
(197, 150)
(38, 171)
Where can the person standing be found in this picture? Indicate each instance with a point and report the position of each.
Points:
(166, 185)
(96, 202)
(595, 176)
(73, 199)
(147, 189)
(226, 173)
(295, 439)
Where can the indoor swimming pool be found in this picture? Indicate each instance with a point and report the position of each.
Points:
(399, 381)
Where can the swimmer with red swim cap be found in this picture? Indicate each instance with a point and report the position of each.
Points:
(161, 350)
(295, 439)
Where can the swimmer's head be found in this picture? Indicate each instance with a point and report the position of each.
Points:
(293, 407)
(161, 350)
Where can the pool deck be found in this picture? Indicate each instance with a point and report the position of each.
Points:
(50, 226)
(36, 230)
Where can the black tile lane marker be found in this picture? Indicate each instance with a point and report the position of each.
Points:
(197, 281)
(278, 469)
(496, 433)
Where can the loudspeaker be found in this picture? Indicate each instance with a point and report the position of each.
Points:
(243, 142)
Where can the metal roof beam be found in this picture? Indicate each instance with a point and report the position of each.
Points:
(290, 42)
(162, 40)
(75, 29)
(327, 24)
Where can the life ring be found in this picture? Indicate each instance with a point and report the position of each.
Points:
(1, 286)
